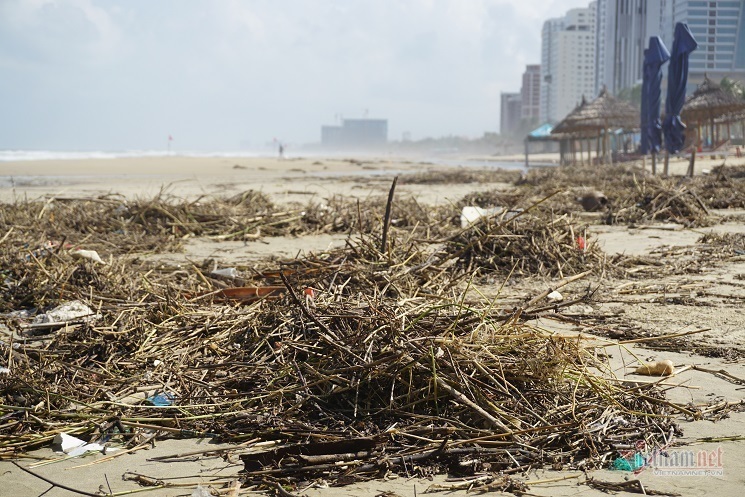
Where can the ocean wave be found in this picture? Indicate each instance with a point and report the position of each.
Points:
(37, 155)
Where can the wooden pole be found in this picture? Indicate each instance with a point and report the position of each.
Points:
(527, 162)
(574, 152)
(692, 162)
(387, 218)
(666, 169)
(654, 163)
(589, 149)
(714, 135)
(597, 148)
(581, 153)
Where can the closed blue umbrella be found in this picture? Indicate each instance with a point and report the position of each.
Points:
(654, 57)
(644, 107)
(677, 78)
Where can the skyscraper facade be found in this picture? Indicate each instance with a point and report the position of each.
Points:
(719, 28)
(622, 34)
(567, 62)
(549, 65)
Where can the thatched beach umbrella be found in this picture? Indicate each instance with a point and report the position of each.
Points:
(597, 118)
(711, 105)
(568, 132)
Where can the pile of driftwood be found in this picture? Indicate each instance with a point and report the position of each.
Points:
(345, 364)
(462, 176)
(378, 382)
(723, 188)
(526, 245)
(340, 214)
(635, 196)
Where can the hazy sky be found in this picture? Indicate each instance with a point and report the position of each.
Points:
(221, 74)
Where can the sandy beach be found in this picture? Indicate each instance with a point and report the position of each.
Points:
(193, 176)
(709, 368)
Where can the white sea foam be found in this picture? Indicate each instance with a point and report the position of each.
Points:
(34, 155)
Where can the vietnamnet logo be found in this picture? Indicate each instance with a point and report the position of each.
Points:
(671, 462)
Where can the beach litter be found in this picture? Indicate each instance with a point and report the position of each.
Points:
(90, 255)
(348, 364)
(593, 201)
(75, 447)
(228, 272)
(385, 362)
(69, 311)
(656, 368)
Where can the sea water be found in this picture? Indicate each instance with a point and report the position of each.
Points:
(36, 155)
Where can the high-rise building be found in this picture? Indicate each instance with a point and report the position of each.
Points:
(509, 113)
(530, 94)
(719, 29)
(622, 33)
(603, 56)
(625, 26)
(549, 62)
(567, 62)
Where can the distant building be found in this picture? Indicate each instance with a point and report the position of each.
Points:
(356, 133)
(624, 28)
(530, 94)
(622, 32)
(719, 29)
(509, 113)
(549, 55)
(567, 62)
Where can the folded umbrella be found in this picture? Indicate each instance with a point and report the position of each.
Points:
(677, 78)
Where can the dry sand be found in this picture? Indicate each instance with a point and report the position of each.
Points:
(189, 177)
(718, 294)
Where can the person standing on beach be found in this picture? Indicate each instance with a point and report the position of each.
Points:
(281, 151)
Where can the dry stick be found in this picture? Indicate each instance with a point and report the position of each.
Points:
(558, 285)
(720, 373)
(235, 489)
(527, 315)
(481, 412)
(632, 486)
(279, 489)
(137, 447)
(54, 484)
(553, 480)
(651, 339)
(330, 337)
(387, 218)
(206, 451)
(7, 234)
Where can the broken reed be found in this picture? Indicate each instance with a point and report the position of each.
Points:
(372, 353)
(387, 347)
(638, 197)
(116, 225)
(333, 367)
(528, 245)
